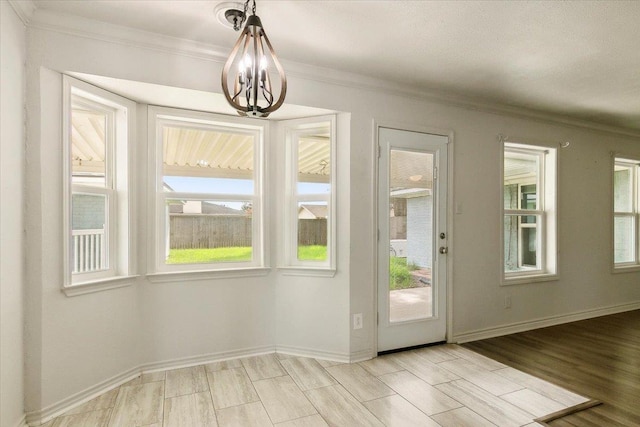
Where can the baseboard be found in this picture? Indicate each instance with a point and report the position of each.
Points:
(544, 322)
(362, 355)
(313, 353)
(186, 362)
(22, 422)
(36, 418)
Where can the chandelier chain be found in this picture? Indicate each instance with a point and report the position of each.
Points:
(246, 8)
(237, 25)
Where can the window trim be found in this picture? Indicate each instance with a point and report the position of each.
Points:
(634, 163)
(547, 212)
(289, 264)
(159, 271)
(121, 121)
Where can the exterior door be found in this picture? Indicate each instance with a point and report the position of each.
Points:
(412, 240)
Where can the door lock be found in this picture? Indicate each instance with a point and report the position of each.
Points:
(444, 250)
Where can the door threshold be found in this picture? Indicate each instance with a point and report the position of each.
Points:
(413, 347)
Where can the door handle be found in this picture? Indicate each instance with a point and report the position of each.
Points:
(444, 250)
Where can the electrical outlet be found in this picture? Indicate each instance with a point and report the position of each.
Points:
(507, 301)
(357, 321)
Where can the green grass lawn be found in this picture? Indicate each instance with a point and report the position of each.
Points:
(198, 256)
(400, 273)
(312, 253)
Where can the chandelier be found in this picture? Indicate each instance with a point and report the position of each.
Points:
(250, 91)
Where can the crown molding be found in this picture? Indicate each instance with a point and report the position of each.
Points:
(82, 27)
(352, 80)
(62, 23)
(25, 9)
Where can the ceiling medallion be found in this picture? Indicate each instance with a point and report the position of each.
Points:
(250, 91)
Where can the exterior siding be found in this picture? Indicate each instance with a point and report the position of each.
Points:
(88, 212)
(420, 231)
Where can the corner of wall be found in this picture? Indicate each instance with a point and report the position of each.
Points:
(12, 195)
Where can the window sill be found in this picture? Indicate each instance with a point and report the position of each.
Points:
(98, 285)
(188, 276)
(308, 271)
(626, 269)
(534, 278)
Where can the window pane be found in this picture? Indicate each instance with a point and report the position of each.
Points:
(528, 197)
(510, 193)
(521, 242)
(411, 234)
(624, 232)
(521, 172)
(622, 189)
(207, 161)
(207, 231)
(312, 231)
(88, 146)
(88, 232)
(529, 247)
(314, 163)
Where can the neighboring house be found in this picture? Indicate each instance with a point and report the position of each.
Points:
(200, 207)
(312, 212)
(419, 224)
(87, 212)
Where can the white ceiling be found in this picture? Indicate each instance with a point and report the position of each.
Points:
(570, 58)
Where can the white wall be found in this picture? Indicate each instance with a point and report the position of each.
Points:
(13, 55)
(312, 313)
(73, 343)
(156, 323)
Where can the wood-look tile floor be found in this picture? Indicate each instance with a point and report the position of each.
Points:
(445, 385)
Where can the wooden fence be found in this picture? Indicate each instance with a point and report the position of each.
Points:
(222, 231)
(209, 231)
(312, 232)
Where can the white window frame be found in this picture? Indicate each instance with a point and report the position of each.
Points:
(634, 164)
(161, 271)
(546, 213)
(119, 131)
(289, 262)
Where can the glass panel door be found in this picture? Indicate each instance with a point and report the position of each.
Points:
(412, 247)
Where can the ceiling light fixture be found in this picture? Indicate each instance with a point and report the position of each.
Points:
(250, 92)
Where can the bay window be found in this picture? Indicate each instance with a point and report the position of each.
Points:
(207, 178)
(309, 230)
(97, 128)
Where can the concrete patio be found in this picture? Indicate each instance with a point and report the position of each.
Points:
(410, 304)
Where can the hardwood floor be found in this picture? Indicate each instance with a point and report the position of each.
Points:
(598, 358)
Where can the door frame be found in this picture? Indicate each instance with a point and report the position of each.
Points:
(376, 217)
